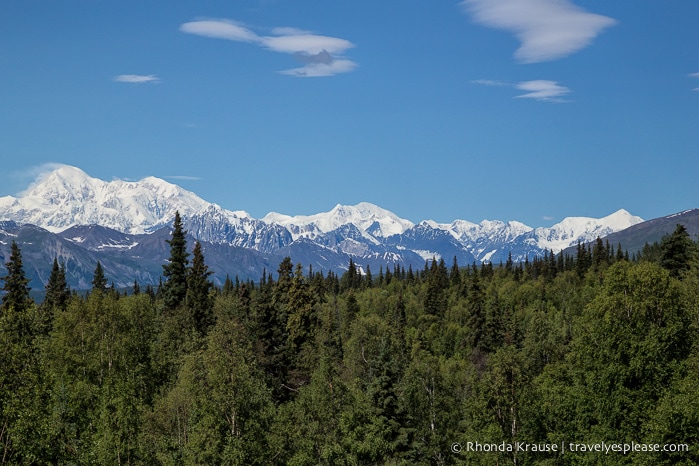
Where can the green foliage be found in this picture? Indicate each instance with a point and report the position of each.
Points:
(57, 290)
(197, 298)
(314, 369)
(16, 286)
(99, 281)
(175, 271)
(677, 252)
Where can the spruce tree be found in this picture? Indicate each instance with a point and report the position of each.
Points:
(16, 285)
(57, 290)
(351, 279)
(198, 287)
(677, 251)
(175, 271)
(509, 265)
(99, 281)
(285, 271)
(455, 273)
(301, 321)
(228, 284)
(476, 311)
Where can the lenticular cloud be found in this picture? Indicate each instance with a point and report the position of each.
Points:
(542, 89)
(321, 55)
(547, 29)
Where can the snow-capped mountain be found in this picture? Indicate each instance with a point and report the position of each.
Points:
(583, 229)
(67, 196)
(67, 200)
(368, 218)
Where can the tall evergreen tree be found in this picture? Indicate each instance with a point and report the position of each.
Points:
(285, 271)
(476, 311)
(509, 264)
(301, 327)
(455, 273)
(368, 279)
(16, 285)
(435, 300)
(228, 284)
(99, 281)
(351, 278)
(677, 251)
(57, 290)
(175, 271)
(198, 287)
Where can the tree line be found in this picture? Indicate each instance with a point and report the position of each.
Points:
(392, 368)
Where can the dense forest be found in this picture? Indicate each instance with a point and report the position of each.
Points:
(452, 364)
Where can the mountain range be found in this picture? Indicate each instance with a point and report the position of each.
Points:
(124, 224)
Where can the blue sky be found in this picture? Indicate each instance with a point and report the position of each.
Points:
(528, 110)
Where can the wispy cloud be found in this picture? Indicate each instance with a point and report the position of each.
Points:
(694, 75)
(547, 29)
(538, 89)
(541, 89)
(320, 55)
(35, 174)
(136, 78)
(490, 82)
(220, 29)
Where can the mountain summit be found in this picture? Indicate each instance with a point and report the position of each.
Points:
(365, 216)
(68, 198)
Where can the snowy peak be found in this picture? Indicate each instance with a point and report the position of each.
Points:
(573, 229)
(465, 231)
(68, 196)
(65, 184)
(367, 217)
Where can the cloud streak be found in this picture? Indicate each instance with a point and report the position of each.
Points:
(320, 55)
(542, 89)
(694, 75)
(35, 174)
(547, 29)
(539, 89)
(136, 78)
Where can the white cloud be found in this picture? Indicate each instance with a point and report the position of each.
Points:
(538, 89)
(321, 55)
(307, 44)
(136, 78)
(289, 31)
(220, 29)
(36, 174)
(312, 70)
(694, 75)
(542, 89)
(490, 82)
(547, 29)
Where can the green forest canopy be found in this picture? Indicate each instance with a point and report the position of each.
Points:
(397, 368)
